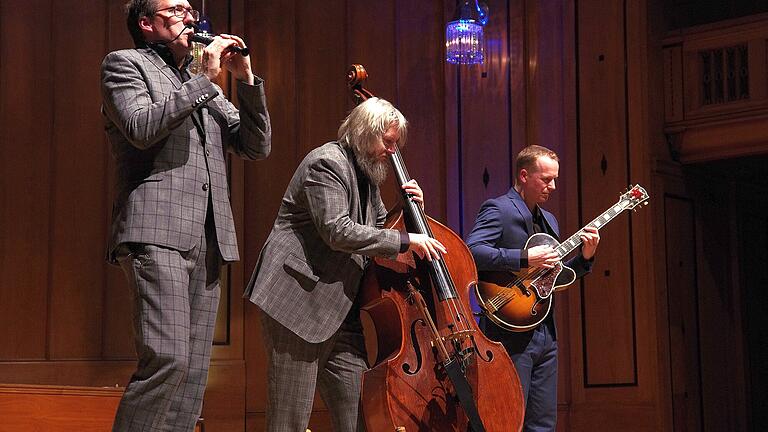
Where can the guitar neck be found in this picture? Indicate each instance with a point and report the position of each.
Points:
(574, 241)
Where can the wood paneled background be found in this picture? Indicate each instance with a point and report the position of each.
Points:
(583, 77)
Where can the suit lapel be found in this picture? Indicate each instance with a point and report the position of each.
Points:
(200, 120)
(161, 65)
(518, 202)
(549, 219)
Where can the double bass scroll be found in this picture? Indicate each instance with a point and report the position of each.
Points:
(432, 369)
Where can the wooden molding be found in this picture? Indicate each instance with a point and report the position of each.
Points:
(724, 138)
(716, 91)
(58, 408)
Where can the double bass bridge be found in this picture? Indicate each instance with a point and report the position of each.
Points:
(456, 340)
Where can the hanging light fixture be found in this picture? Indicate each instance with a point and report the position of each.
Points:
(464, 35)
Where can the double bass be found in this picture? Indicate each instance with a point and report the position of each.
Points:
(432, 369)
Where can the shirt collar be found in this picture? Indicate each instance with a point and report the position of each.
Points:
(165, 53)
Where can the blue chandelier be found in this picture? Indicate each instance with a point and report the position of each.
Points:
(464, 35)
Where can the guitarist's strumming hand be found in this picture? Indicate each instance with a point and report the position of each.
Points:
(542, 256)
(590, 237)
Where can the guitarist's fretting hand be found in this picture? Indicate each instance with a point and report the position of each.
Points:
(542, 256)
(590, 237)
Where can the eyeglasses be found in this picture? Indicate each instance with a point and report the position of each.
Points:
(180, 11)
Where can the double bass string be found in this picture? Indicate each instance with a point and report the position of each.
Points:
(440, 269)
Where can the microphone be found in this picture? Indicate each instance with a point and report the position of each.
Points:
(206, 40)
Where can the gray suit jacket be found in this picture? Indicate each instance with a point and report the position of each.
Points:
(309, 270)
(169, 141)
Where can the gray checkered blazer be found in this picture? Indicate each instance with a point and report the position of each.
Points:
(309, 270)
(169, 141)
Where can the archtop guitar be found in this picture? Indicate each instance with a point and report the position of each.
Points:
(520, 301)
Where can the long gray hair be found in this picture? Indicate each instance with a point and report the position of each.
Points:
(368, 122)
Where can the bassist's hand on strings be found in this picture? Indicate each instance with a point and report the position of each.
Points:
(425, 246)
(542, 256)
(414, 191)
(590, 237)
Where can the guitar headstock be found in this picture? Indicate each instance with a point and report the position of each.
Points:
(635, 196)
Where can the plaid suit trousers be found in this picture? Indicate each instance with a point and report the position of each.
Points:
(296, 366)
(175, 298)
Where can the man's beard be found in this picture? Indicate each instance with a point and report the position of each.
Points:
(376, 170)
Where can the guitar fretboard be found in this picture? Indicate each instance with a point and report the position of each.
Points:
(574, 241)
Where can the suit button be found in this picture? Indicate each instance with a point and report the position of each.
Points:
(205, 186)
(207, 152)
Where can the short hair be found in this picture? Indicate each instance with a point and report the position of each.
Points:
(135, 10)
(528, 156)
(369, 121)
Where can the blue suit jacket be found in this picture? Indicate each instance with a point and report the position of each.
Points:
(502, 227)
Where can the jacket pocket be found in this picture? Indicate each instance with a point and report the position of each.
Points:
(133, 183)
(151, 178)
(301, 271)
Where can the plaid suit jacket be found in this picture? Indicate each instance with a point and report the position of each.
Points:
(169, 141)
(309, 270)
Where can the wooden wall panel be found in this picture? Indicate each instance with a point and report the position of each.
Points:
(519, 71)
(684, 352)
(26, 116)
(548, 106)
(451, 113)
(116, 319)
(420, 96)
(117, 333)
(484, 121)
(609, 351)
(321, 97)
(77, 271)
(753, 254)
(721, 331)
(372, 49)
(271, 28)
(224, 404)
